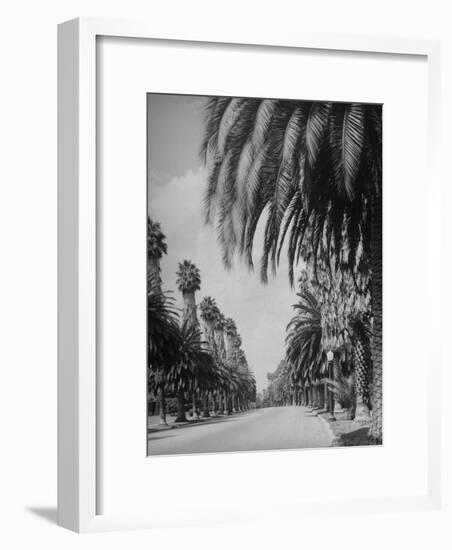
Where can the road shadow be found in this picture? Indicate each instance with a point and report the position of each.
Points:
(191, 424)
(355, 438)
(48, 513)
(155, 436)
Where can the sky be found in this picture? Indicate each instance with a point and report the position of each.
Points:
(176, 182)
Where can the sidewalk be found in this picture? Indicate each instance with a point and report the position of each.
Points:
(346, 432)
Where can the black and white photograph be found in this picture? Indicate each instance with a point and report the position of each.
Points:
(264, 274)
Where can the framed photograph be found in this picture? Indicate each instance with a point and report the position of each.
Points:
(258, 358)
(238, 217)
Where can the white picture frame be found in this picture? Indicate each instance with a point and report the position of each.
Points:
(78, 446)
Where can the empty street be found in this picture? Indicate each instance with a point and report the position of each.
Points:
(255, 430)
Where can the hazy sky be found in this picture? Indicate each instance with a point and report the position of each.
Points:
(176, 183)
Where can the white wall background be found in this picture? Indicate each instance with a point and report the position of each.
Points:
(28, 268)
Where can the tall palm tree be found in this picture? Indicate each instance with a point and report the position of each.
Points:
(219, 324)
(156, 247)
(341, 299)
(230, 332)
(163, 328)
(222, 386)
(312, 171)
(163, 342)
(209, 311)
(221, 357)
(188, 282)
(245, 385)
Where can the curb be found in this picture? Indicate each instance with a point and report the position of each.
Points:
(334, 438)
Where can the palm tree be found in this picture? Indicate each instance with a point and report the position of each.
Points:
(220, 356)
(243, 384)
(304, 351)
(312, 171)
(156, 247)
(209, 311)
(163, 329)
(344, 390)
(188, 282)
(193, 366)
(230, 332)
(163, 341)
(222, 386)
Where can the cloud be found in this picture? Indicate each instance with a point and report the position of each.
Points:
(157, 178)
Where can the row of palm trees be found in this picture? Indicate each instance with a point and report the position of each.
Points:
(328, 358)
(185, 359)
(310, 173)
(281, 390)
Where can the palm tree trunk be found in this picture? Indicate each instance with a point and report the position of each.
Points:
(331, 397)
(189, 313)
(162, 405)
(376, 245)
(336, 375)
(229, 405)
(194, 406)
(154, 275)
(321, 396)
(181, 407)
(362, 413)
(205, 410)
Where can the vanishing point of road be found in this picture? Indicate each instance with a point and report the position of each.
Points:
(255, 430)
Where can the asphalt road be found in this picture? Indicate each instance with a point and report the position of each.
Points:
(256, 430)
